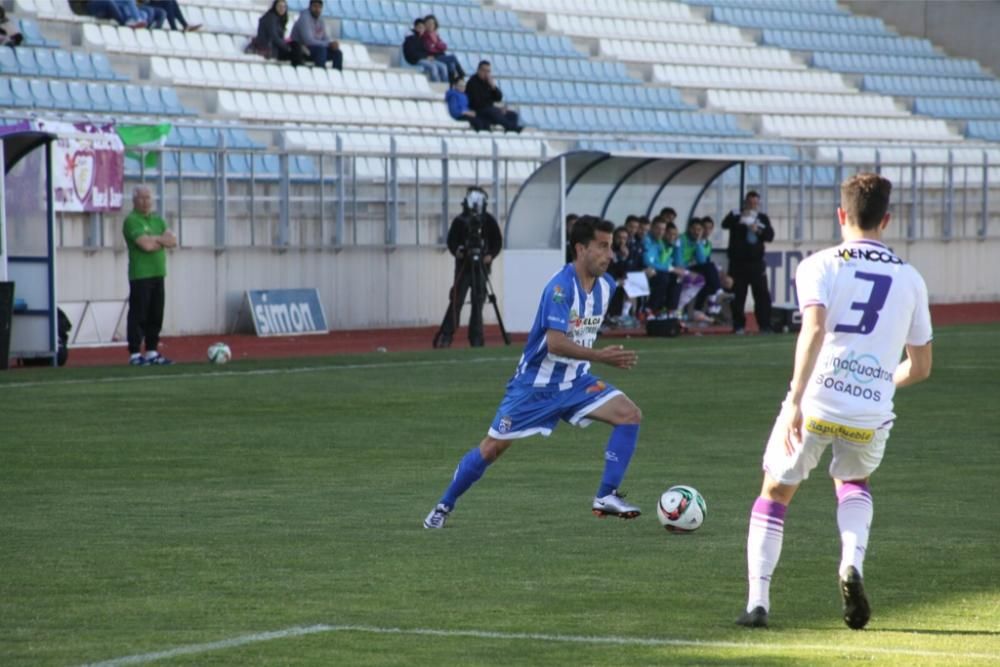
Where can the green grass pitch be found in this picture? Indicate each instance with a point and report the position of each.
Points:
(183, 513)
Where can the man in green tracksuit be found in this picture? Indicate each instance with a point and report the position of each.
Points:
(146, 236)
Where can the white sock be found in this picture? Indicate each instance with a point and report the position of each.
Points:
(135, 355)
(152, 355)
(767, 529)
(854, 519)
(626, 308)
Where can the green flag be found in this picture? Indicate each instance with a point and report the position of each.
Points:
(144, 136)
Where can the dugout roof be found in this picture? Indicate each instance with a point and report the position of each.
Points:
(611, 186)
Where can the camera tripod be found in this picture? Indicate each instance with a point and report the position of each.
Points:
(480, 287)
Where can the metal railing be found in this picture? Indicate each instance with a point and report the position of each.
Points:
(238, 197)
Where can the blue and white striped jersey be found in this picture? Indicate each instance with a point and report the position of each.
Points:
(566, 307)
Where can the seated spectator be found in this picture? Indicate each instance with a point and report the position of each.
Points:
(437, 47)
(669, 214)
(458, 106)
(153, 16)
(122, 12)
(309, 32)
(484, 96)
(415, 53)
(9, 34)
(624, 262)
(270, 40)
(664, 284)
(173, 13)
(696, 255)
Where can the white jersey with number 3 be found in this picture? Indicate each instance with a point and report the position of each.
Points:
(875, 305)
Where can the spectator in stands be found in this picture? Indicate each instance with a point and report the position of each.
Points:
(458, 106)
(146, 237)
(664, 288)
(173, 13)
(485, 96)
(122, 12)
(749, 229)
(437, 47)
(9, 34)
(270, 40)
(696, 255)
(309, 32)
(415, 53)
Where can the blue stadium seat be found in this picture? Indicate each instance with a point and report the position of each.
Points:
(135, 101)
(47, 64)
(8, 63)
(983, 129)
(40, 93)
(151, 98)
(99, 99)
(171, 102)
(102, 67)
(6, 96)
(27, 65)
(115, 97)
(79, 97)
(33, 36)
(60, 94)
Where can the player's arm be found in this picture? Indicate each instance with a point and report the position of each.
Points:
(807, 348)
(915, 368)
(559, 344)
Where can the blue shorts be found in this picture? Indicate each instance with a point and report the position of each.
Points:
(526, 411)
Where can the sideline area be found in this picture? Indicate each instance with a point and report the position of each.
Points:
(191, 349)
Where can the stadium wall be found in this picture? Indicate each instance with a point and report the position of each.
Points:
(369, 288)
(963, 27)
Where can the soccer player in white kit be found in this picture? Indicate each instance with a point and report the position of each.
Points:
(861, 306)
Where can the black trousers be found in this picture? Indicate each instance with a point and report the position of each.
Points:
(469, 277)
(754, 276)
(664, 292)
(497, 116)
(146, 297)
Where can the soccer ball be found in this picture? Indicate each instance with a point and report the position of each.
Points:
(219, 353)
(681, 509)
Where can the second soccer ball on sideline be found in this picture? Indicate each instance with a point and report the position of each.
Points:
(681, 509)
(219, 353)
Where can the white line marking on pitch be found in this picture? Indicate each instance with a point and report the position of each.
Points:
(243, 640)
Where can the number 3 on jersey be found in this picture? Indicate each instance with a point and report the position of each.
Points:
(870, 308)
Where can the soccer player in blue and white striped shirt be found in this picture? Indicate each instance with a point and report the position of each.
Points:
(553, 379)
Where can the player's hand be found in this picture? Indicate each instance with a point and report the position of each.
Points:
(487, 259)
(618, 356)
(793, 429)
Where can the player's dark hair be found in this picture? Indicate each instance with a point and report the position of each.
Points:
(586, 228)
(694, 221)
(630, 218)
(751, 193)
(865, 199)
(666, 210)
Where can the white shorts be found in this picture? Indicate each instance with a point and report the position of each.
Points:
(857, 452)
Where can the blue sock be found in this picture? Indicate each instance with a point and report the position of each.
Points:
(621, 446)
(469, 470)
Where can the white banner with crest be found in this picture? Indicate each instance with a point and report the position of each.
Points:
(88, 166)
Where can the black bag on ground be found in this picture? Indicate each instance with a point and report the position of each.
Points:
(667, 328)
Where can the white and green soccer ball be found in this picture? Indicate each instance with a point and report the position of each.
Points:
(681, 509)
(219, 353)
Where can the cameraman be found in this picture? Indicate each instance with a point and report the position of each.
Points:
(474, 239)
